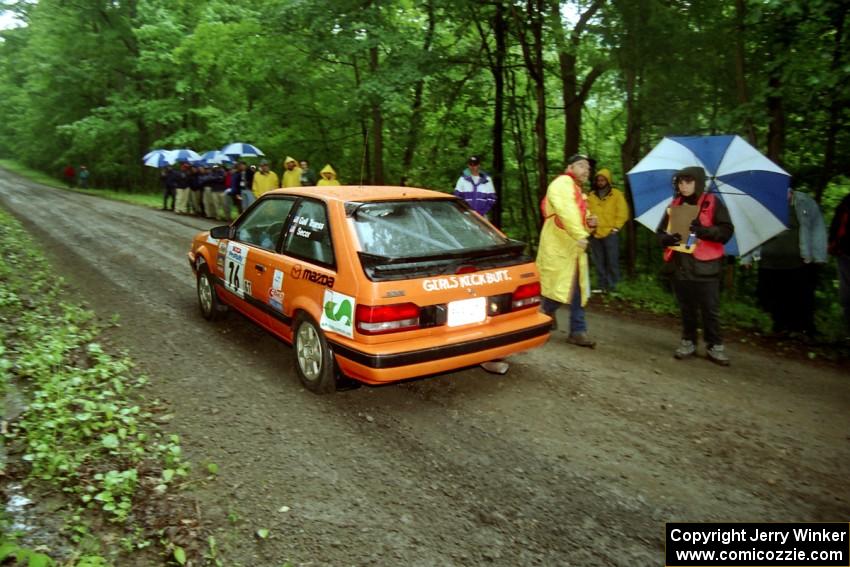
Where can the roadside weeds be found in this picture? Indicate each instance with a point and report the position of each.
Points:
(75, 424)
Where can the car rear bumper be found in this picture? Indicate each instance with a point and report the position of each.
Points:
(377, 367)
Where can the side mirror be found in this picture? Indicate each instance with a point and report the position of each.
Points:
(220, 232)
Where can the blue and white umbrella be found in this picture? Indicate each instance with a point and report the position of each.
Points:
(238, 149)
(157, 158)
(183, 155)
(153, 152)
(753, 188)
(215, 157)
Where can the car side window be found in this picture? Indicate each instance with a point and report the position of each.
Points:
(309, 236)
(263, 225)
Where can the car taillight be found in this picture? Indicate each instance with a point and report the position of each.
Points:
(527, 295)
(378, 319)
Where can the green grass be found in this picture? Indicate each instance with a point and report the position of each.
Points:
(31, 174)
(152, 200)
(142, 199)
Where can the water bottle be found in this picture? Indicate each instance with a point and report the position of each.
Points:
(692, 239)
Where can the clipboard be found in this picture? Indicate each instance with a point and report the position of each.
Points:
(680, 219)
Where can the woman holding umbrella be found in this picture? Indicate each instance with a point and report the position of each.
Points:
(696, 259)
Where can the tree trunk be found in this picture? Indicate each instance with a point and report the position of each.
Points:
(365, 173)
(776, 111)
(530, 211)
(775, 103)
(532, 52)
(836, 106)
(377, 125)
(573, 91)
(629, 156)
(498, 171)
(416, 106)
(740, 71)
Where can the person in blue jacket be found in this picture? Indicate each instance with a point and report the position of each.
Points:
(788, 266)
(476, 187)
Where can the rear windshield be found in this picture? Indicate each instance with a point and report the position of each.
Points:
(406, 229)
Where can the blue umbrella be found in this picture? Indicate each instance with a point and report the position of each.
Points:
(215, 156)
(157, 158)
(183, 155)
(238, 149)
(753, 188)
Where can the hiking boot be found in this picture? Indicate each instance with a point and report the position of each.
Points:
(717, 354)
(581, 339)
(686, 349)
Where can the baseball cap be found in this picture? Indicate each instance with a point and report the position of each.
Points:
(578, 157)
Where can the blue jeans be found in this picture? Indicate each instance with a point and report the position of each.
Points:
(578, 324)
(605, 253)
(247, 199)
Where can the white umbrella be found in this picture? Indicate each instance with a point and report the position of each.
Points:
(753, 188)
(183, 155)
(240, 149)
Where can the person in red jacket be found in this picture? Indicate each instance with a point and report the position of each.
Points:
(696, 260)
(70, 175)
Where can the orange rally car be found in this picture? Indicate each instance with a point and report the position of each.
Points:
(380, 283)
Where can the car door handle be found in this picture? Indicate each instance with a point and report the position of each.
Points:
(259, 267)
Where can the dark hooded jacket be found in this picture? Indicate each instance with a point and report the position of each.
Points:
(686, 266)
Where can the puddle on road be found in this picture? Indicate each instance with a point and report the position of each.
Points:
(16, 509)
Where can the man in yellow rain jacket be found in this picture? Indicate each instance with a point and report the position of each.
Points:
(264, 180)
(328, 176)
(609, 207)
(562, 256)
(291, 173)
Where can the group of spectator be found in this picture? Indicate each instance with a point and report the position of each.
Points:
(78, 178)
(576, 221)
(216, 191)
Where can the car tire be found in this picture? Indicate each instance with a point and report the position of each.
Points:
(208, 301)
(314, 361)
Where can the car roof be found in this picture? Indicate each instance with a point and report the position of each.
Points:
(361, 193)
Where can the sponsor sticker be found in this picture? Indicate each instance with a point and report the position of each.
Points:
(277, 280)
(300, 273)
(338, 313)
(466, 280)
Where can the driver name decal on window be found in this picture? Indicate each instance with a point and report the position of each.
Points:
(466, 280)
(305, 227)
(234, 268)
(338, 313)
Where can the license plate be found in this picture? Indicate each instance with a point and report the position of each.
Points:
(467, 311)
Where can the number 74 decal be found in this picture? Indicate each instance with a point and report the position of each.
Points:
(234, 268)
